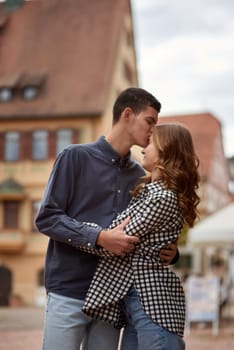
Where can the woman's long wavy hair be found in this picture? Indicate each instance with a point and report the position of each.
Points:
(177, 167)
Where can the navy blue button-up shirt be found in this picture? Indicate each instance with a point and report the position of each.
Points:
(89, 182)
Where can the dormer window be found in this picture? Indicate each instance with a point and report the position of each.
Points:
(8, 85)
(30, 92)
(5, 94)
(24, 85)
(31, 85)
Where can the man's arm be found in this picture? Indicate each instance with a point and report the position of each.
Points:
(112, 242)
(116, 241)
(53, 219)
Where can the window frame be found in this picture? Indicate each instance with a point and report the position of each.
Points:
(11, 221)
(12, 146)
(40, 142)
(64, 141)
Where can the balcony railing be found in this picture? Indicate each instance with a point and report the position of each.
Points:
(12, 241)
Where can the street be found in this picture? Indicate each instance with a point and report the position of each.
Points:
(21, 329)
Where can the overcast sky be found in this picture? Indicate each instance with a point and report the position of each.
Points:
(185, 54)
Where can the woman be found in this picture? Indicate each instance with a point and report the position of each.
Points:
(137, 290)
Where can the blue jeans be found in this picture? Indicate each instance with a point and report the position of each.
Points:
(141, 333)
(66, 326)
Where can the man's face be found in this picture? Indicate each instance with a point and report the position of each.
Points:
(142, 126)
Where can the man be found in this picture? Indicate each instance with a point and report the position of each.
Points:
(91, 183)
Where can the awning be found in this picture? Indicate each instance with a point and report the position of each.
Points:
(217, 229)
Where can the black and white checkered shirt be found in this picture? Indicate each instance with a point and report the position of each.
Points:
(157, 219)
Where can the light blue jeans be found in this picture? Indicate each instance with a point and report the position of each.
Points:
(66, 326)
(141, 333)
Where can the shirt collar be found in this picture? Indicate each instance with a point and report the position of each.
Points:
(112, 155)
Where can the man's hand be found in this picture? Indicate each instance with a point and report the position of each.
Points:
(116, 241)
(168, 253)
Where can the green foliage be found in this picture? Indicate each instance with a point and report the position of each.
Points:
(183, 236)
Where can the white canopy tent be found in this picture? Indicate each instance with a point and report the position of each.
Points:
(215, 235)
(217, 229)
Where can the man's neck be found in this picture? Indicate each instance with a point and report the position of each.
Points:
(119, 142)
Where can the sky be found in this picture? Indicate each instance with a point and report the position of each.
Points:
(185, 57)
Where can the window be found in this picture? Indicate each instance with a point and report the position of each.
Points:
(35, 207)
(40, 145)
(129, 37)
(128, 71)
(30, 92)
(10, 214)
(5, 94)
(12, 146)
(64, 138)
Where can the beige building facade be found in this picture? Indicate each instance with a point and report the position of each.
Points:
(56, 91)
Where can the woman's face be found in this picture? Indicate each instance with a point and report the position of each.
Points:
(150, 156)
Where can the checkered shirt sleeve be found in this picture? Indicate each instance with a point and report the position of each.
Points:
(157, 220)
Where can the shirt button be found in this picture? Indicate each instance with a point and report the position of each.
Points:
(69, 240)
(118, 191)
(89, 244)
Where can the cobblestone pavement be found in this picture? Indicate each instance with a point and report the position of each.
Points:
(21, 329)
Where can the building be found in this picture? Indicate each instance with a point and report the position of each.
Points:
(231, 172)
(62, 63)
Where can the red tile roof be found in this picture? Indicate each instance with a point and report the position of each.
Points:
(205, 130)
(73, 42)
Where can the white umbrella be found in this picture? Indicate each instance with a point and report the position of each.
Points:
(216, 229)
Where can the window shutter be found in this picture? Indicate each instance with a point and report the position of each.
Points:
(2, 146)
(52, 144)
(26, 145)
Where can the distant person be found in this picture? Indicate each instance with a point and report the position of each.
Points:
(137, 290)
(91, 182)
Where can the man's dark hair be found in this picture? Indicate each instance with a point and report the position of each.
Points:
(137, 99)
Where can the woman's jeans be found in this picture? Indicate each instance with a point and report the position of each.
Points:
(66, 327)
(141, 333)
